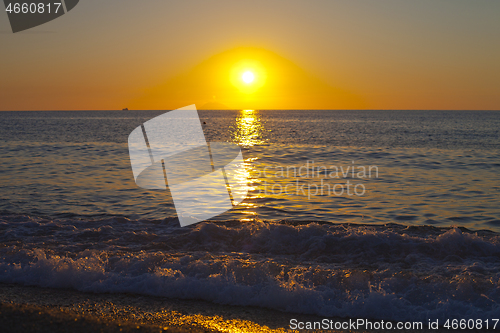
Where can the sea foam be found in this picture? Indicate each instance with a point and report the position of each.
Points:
(389, 272)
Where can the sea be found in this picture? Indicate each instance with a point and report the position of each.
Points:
(391, 215)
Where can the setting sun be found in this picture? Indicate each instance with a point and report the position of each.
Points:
(248, 77)
(248, 73)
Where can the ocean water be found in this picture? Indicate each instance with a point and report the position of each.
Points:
(375, 214)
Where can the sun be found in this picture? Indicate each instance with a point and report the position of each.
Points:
(248, 77)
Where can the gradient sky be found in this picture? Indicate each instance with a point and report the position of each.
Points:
(155, 54)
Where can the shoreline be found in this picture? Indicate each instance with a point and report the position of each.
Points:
(36, 309)
(112, 312)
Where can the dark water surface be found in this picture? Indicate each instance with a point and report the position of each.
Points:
(427, 167)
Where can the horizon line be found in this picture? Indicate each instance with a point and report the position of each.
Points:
(241, 109)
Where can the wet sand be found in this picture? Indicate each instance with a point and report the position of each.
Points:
(34, 309)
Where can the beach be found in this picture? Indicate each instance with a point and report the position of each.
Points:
(250, 166)
(53, 310)
(32, 309)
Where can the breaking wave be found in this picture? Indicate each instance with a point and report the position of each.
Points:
(390, 272)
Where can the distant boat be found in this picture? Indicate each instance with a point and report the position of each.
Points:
(126, 109)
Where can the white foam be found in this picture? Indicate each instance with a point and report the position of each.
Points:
(387, 272)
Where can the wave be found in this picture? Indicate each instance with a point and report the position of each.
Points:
(390, 272)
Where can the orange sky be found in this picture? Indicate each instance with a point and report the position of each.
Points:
(278, 83)
(316, 55)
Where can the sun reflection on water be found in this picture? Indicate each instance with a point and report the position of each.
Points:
(249, 130)
(244, 180)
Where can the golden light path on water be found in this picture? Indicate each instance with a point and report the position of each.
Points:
(249, 129)
(247, 133)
